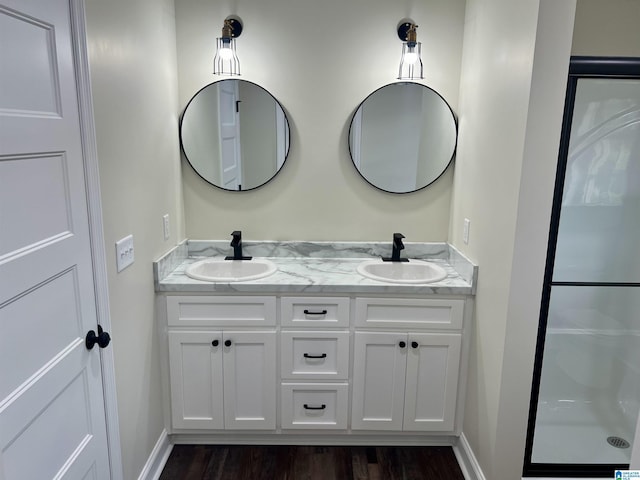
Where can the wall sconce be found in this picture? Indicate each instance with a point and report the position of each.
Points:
(226, 61)
(411, 62)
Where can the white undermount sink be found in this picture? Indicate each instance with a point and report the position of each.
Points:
(220, 270)
(413, 271)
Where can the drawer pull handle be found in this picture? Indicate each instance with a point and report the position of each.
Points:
(311, 407)
(306, 355)
(415, 344)
(309, 312)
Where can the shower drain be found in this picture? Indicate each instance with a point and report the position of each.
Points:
(618, 442)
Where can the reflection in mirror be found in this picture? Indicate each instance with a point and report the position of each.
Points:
(402, 137)
(235, 134)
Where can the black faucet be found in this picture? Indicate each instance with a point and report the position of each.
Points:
(236, 243)
(396, 247)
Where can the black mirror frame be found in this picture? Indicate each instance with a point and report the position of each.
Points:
(453, 154)
(186, 157)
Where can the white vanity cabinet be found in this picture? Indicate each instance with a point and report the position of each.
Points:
(291, 365)
(221, 375)
(406, 380)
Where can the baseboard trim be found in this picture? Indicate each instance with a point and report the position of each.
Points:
(316, 438)
(467, 460)
(158, 458)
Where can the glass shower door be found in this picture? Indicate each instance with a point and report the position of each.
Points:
(586, 392)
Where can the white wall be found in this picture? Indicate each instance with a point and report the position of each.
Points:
(512, 89)
(133, 73)
(320, 60)
(544, 120)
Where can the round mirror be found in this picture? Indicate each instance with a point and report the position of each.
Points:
(402, 137)
(235, 135)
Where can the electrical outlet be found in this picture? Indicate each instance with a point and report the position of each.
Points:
(465, 231)
(165, 226)
(124, 252)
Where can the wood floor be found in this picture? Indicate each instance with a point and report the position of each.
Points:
(213, 462)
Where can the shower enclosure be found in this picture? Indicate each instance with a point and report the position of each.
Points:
(586, 390)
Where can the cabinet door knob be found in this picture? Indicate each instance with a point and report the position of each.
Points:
(215, 343)
(227, 343)
(402, 344)
(415, 344)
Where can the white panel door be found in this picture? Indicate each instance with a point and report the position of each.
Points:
(433, 360)
(52, 419)
(249, 380)
(229, 133)
(195, 372)
(378, 380)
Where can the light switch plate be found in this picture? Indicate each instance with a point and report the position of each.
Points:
(124, 252)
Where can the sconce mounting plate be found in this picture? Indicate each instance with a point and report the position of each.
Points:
(403, 29)
(236, 25)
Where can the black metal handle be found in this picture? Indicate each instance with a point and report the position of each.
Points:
(309, 312)
(402, 344)
(306, 355)
(227, 343)
(102, 338)
(415, 344)
(215, 343)
(310, 407)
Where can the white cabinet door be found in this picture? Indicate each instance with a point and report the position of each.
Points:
(222, 380)
(378, 380)
(250, 380)
(431, 381)
(195, 370)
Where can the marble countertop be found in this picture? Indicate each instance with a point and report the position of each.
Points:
(314, 267)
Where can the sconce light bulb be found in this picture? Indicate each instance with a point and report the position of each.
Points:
(411, 56)
(225, 53)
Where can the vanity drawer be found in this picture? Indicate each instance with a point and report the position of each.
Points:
(315, 312)
(314, 355)
(189, 311)
(409, 313)
(314, 405)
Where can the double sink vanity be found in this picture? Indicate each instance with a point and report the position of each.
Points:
(314, 342)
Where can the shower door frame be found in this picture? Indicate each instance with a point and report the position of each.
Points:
(580, 67)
